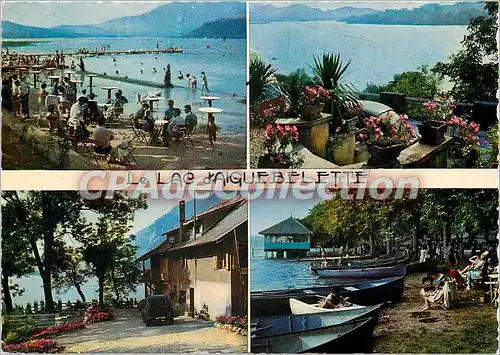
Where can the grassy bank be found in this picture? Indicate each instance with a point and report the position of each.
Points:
(470, 327)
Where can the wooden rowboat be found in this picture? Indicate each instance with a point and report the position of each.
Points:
(366, 293)
(360, 273)
(299, 307)
(336, 338)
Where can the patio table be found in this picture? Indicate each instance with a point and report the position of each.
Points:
(209, 99)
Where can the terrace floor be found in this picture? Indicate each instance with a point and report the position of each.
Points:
(127, 333)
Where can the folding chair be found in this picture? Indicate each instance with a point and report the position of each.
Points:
(139, 135)
(99, 156)
(127, 159)
(190, 130)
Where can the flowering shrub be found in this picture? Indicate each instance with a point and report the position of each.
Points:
(313, 96)
(278, 138)
(58, 329)
(232, 320)
(34, 346)
(465, 133)
(438, 112)
(96, 314)
(385, 131)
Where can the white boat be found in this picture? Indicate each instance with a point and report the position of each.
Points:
(299, 307)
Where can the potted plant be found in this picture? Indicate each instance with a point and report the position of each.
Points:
(385, 138)
(433, 128)
(465, 148)
(292, 90)
(278, 141)
(330, 71)
(312, 102)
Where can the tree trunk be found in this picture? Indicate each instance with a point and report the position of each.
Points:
(48, 242)
(7, 297)
(47, 291)
(80, 292)
(371, 245)
(101, 291)
(115, 287)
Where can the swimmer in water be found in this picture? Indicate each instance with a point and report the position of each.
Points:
(117, 72)
(142, 63)
(154, 70)
(180, 76)
(142, 72)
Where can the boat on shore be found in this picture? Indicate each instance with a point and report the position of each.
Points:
(299, 307)
(360, 273)
(366, 293)
(338, 338)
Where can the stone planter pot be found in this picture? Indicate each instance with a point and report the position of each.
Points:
(384, 156)
(350, 124)
(309, 113)
(432, 132)
(265, 162)
(343, 153)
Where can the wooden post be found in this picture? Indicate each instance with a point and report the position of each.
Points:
(237, 250)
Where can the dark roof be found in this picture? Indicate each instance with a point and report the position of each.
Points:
(289, 226)
(218, 231)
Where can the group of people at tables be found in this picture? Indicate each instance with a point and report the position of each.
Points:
(173, 125)
(446, 286)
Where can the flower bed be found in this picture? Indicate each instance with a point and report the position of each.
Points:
(58, 329)
(96, 314)
(232, 324)
(34, 346)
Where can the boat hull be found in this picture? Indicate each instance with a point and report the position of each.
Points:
(339, 338)
(362, 273)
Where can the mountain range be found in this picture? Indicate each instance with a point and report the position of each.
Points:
(176, 19)
(151, 236)
(428, 14)
(260, 13)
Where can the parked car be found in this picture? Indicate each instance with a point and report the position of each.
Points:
(158, 310)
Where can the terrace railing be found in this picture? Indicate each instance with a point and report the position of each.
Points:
(483, 112)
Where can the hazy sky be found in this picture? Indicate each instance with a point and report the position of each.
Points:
(50, 14)
(80, 12)
(264, 213)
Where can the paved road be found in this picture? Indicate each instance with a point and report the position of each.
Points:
(127, 333)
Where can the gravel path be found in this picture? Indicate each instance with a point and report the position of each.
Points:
(127, 333)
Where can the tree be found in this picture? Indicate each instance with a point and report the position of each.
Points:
(473, 70)
(71, 270)
(42, 217)
(107, 248)
(16, 257)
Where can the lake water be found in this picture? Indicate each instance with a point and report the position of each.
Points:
(377, 52)
(224, 64)
(272, 274)
(33, 287)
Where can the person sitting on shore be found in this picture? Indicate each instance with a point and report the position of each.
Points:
(117, 106)
(149, 126)
(63, 108)
(170, 111)
(190, 118)
(76, 119)
(122, 98)
(476, 269)
(53, 119)
(102, 138)
(174, 127)
(140, 115)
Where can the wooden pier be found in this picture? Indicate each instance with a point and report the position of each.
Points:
(99, 53)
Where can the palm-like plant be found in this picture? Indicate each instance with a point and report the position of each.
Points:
(330, 72)
(261, 80)
(292, 89)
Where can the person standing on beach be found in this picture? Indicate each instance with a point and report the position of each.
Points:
(212, 130)
(204, 81)
(7, 94)
(25, 95)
